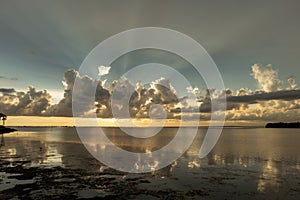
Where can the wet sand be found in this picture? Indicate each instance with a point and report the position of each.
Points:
(51, 163)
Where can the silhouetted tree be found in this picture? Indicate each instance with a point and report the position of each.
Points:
(3, 117)
(283, 125)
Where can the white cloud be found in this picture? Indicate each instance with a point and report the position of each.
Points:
(292, 83)
(103, 70)
(266, 77)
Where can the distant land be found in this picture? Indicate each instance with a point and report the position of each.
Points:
(4, 130)
(283, 125)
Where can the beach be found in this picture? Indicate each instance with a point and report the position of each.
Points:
(246, 163)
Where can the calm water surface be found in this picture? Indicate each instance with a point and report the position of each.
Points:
(246, 162)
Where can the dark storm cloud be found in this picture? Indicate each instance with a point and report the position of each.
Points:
(286, 95)
(234, 102)
(7, 90)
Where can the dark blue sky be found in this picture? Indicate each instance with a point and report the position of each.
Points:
(40, 40)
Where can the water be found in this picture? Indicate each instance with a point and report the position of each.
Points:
(246, 162)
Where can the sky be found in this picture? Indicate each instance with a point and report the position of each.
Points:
(41, 40)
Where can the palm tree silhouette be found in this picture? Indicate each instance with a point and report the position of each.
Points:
(4, 129)
(3, 117)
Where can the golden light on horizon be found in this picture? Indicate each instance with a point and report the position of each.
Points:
(111, 122)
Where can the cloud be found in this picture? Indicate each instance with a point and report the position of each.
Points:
(269, 101)
(31, 102)
(7, 90)
(159, 99)
(103, 70)
(142, 100)
(85, 83)
(266, 77)
(64, 106)
(292, 83)
(140, 103)
(285, 95)
(274, 110)
(9, 78)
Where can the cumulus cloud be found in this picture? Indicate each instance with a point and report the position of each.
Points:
(267, 78)
(103, 70)
(64, 107)
(269, 101)
(273, 110)
(292, 83)
(31, 102)
(142, 100)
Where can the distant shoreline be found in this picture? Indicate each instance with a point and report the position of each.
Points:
(283, 125)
